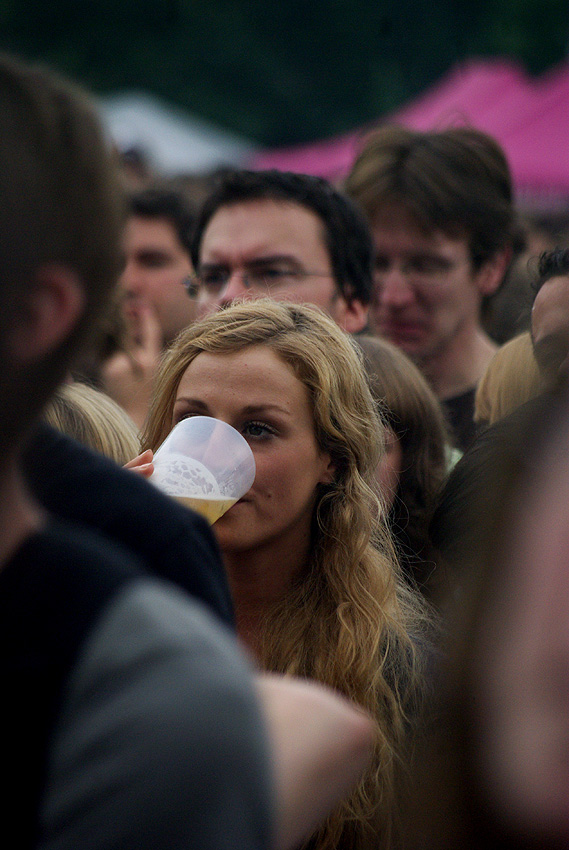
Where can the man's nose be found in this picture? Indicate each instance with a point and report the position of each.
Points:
(131, 280)
(234, 288)
(393, 289)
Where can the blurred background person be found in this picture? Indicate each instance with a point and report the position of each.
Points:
(550, 316)
(511, 378)
(417, 456)
(155, 305)
(507, 314)
(495, 772)
(441, 210)
(92, 418)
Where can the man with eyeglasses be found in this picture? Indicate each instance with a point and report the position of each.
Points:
(285, 236)
(444, 227)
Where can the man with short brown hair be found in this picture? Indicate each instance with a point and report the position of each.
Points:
(441, 211)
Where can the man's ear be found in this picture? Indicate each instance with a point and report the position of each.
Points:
(47, 313)
(351, 315)
(492, 272)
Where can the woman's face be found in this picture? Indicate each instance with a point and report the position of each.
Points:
(257, 393)
(389, 468)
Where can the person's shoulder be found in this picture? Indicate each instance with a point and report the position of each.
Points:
(521, 428)
(60, 574)
(84, 487)
(153, 702)
(161, 733)
(61, 557)
(78, 482)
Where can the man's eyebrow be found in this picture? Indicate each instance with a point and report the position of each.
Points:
(145, 253)
(271, 259)
(264, 260)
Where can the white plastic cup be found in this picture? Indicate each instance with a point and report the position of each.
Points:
(205, 464)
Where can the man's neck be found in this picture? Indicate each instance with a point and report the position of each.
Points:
(19, 515)
(460, 366)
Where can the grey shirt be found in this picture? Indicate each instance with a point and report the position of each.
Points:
(160, 743)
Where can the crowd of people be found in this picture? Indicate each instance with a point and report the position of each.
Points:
(370, 649)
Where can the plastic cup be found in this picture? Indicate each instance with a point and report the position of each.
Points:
(205, 464)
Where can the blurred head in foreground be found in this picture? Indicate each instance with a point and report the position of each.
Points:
(496, 771)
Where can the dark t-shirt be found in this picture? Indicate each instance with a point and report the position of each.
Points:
(82, 486)
(480, 480)
(459, 412)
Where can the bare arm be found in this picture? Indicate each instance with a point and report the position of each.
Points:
(320, 745)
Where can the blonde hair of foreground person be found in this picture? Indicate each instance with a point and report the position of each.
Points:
(347, 621)
(511, 378)
(93, 419)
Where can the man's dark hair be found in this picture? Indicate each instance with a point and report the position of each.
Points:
(346, 232)
(551, 264)
(169, 204)
(455, 180)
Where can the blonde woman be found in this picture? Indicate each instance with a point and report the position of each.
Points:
(311, 565)
(92, 418)
(511, 378)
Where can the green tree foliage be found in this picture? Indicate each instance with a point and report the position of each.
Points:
(280, 72)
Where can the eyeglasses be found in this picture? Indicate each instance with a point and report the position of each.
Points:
(266, 278)
(191, 286)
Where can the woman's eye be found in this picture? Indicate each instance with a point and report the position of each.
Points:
(179, 416)
(257, 429)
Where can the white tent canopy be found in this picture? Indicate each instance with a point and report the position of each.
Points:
(173, 141)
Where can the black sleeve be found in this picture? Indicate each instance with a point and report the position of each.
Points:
(77, 484)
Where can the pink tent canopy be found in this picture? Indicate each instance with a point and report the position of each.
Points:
(464, 95)
(330, 158)
(530, 118)
(538, 146)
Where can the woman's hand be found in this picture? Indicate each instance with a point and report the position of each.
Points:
(142, 464)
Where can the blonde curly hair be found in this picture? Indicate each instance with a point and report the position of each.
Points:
(91, 417)
(348, 621)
